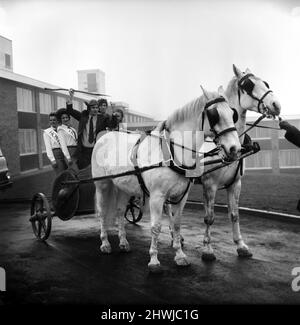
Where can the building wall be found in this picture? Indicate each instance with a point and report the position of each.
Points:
(22, 123)
(15, 119)
(9, 124)
(277, 154)
(84, 78)
(6, 50)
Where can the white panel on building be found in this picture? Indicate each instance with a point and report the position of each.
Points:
(25, 100)
(77, 105)
(27, 141)
(61, 102)
(45, 103)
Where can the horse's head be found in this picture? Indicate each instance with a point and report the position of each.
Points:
(254, 94)
(221, 121)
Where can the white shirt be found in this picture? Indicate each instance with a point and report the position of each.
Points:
(51, 140)
(67, 137)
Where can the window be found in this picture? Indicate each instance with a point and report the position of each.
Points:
(25, 100)
(43, 147)
(27, 141)
(61, 102)
(45, 103)
(7, 61)
(77, 105)
(92, 82)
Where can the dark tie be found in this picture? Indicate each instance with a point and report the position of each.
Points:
(91, 130)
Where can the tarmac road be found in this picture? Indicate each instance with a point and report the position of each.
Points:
(70, 269)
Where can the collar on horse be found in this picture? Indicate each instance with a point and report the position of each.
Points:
(168, 160)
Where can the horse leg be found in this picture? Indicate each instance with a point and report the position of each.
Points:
(103, 199)
(122, 199)
(169, 213)
(175, 218)
(156, 205)
(209, 194)
(233, 194)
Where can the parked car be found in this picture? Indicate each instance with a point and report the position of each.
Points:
(4, 173)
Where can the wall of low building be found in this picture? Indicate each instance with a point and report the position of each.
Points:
(9, 125)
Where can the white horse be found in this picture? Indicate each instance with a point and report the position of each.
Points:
(162, 183)
(244, 92)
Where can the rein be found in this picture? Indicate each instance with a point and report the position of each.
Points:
(263, 126)
(254, 124)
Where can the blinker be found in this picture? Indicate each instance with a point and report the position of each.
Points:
(247, 85)
(235, 115)
(213, 116)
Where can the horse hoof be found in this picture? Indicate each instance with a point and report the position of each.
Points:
(208, 257)
(182, 261)
(155, 268)
(106, 249)
(244, 252)
(124, 248)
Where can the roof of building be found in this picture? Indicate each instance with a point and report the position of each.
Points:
(131, 111)
(5, 38)
(5, 74)
(142, 124)
(91, 70)
(37, 83)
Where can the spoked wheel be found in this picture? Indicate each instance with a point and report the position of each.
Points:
(133, 212)
(41, 217)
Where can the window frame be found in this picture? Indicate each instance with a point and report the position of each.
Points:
(34, 137)
(24, 90)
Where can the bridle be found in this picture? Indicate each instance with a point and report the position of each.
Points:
(213, 117)
(247, 85)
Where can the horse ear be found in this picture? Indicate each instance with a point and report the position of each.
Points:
(248, 70)
(221, 90)
(204, 92)
(237, 71)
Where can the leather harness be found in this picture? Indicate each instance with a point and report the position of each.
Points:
(177, 169)
(167, 146)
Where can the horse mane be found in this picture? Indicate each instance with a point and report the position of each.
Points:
(188, 111)
(232, 86)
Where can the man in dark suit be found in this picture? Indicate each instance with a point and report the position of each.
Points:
(90, 124)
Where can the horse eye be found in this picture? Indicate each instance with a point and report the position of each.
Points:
(267, 85)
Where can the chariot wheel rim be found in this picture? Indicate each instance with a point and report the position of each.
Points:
(41, 217)
(133, 212)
